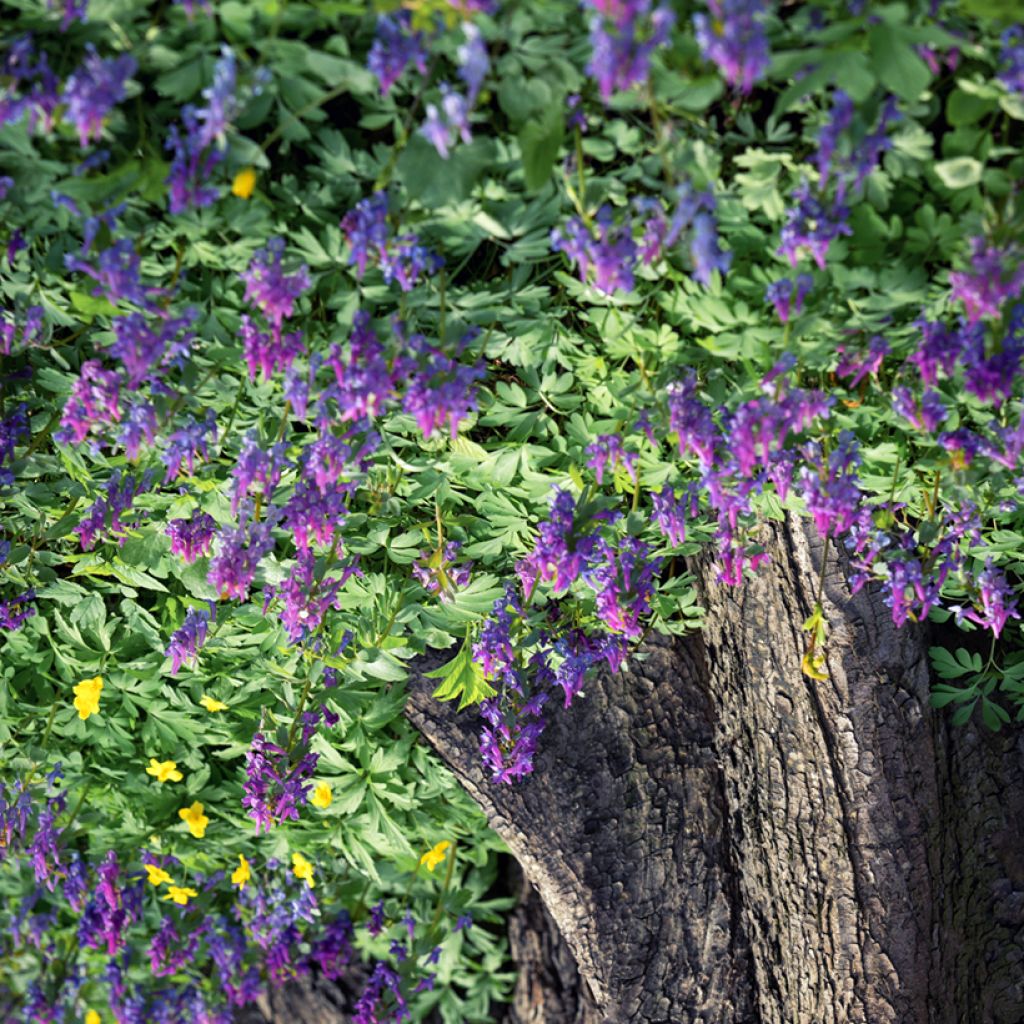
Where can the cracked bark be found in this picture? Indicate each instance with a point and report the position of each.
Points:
(718, 840)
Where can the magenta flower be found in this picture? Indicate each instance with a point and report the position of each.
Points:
(191, 538)
(732, 36)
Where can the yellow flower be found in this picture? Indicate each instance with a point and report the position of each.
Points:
(241, 874)
(164, 770)
(434, 857)
(212, 705)
(87, 697)
(244, 183)
(303, 869)
(195, 819)
(321, 796)
(92, 1017)
(157, 876)
(180, 895)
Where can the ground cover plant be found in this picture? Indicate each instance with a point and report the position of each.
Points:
(337, 334)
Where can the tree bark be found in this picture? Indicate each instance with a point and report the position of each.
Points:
(710, 837)
(720, 839)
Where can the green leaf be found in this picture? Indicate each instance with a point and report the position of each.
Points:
(540, 140)
(462, 678)
(960, 172)
(896, 63)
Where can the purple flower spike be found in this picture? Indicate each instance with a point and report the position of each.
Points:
(732, 36)
(272, 290)
(624, 35)
(94, 90)
(395, 47)
(446, 122)
(189, 637)
(191, 538)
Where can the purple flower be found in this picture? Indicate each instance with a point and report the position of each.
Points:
(438, 572)
(269, 288)
(187, 442)
(611, 255)
(13, 613)
(364, 380)
(116, 274)
(623, 580)
(494, 651)
(939, 348)
(267, 354)
(103, 520)
(27, 334)
(259, 467)
(691, 420)
(366, 230)
(191, 538)
(395, 47)
(607, 449)
(997, 598)
(446, 122)
(110, 911)
(93, 90)
(508, 740)
(44, 850)
(277, 783)
(74, 10)
(139, 426)
(623, 35)
(841, 119)
(314, 513)
(869, 151)
(733, 37)
(192, 166)
(305, 599)
(831, 490)
(222, 101)
(167, 952)
(239, 553)
(141, 350)
(332, 951)
(704, 251)
(473, 60)
(856, 366)
(1011, 60)
(996, 275)
(13, 430)
(670, 514)
(440, 390)
(15, 811)
(780, 294)
(810, 225)
(925, 415)
(562, 550)
(189, 637)
(575, 116)
(404, 260)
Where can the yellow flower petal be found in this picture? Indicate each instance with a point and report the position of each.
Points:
(195, 819)
(303, 869)
(163, 771)
(321, 796)
(242, 873)
(434, 857)
(87, 697)
(244, 183)
(92, 1017)
(180, 895)
(157, 875)
(212, 705)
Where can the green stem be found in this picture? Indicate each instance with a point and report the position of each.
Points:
(447, 882)
(821, 575)
(441, 300)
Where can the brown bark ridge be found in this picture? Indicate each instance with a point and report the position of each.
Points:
(720, 839)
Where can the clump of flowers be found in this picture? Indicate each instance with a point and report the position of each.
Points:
(624, 34)
(732, 36)
(94, 89)
(278, 779)
(439, 573)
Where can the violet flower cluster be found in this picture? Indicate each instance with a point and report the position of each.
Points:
(732, 36)
(401, 258)
(278, 779)
(94, 89)
(624, 34)
(395, 47)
